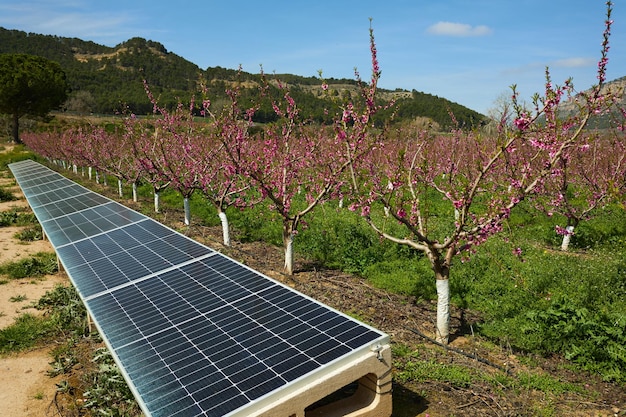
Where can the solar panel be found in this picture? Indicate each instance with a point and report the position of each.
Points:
(194, 332)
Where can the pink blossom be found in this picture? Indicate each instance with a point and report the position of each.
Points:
(563, 231)
(522, 122)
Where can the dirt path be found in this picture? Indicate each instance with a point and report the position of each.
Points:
(27, 391)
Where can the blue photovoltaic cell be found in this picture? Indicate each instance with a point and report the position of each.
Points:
(194, 332)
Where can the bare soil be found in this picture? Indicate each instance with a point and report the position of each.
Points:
(28, 391)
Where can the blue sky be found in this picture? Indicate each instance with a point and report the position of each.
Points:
(467, 51)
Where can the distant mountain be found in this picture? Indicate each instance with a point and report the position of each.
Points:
(617, 88)
(107, 79)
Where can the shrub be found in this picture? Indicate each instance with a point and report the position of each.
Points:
(591, 339)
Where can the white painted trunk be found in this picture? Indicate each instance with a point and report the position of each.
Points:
(119, 188)
(341, 202)
(156, 201)
(89, 169)
(443, 311)
(97, 177)
(289, 255)
(187, 211)
(225, 228)
(135, 192)
(75, 168)
(567, 237)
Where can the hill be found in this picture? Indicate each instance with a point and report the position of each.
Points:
(106, 79)
(615, 87)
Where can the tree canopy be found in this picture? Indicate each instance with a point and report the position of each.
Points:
(30, 85)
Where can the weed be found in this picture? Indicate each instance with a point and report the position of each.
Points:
(108, 394)
(6, 195)
(545, 383)
(17, 298)
(431, 370)
(63, 358)
(41, 263)
(30, 234)
(25, 332)
(63, 312)
(17, 217)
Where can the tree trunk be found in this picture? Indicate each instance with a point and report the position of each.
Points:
(156, 201)
(442, 275)
(135, 192)
(89, 169)
(443, 310)
(225, 228)
(187, 211)
(16, 128)
(119, 188)
(288, 236)
(567, 237)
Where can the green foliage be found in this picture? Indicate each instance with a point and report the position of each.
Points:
(594, 340)
(607, 228)
(6, 195)
(337, 238)
(403, 276)
(63, 313)
(256, 224)
(107, 79)
(30, 85)
(16, 217)
(25, 332)
(30, 234)
(436, 108)
(18, 153)
(431, 370)
(42, 263)
(108, 394)
(65, 308)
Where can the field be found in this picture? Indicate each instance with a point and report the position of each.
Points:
(515, 321)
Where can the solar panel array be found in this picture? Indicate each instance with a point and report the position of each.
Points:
(194, 332)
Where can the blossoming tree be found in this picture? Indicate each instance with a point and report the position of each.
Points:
(480, 179)
(297, 166)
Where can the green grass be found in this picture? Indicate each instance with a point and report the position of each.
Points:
(40, 264)
(29, 234)
(17, 217)
(64, 314)
(25, 332)
(6, 195)
(18, 153)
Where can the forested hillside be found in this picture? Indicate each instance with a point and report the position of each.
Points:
(105, 80)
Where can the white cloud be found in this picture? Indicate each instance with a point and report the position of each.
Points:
(458, 29)
(574, 62)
